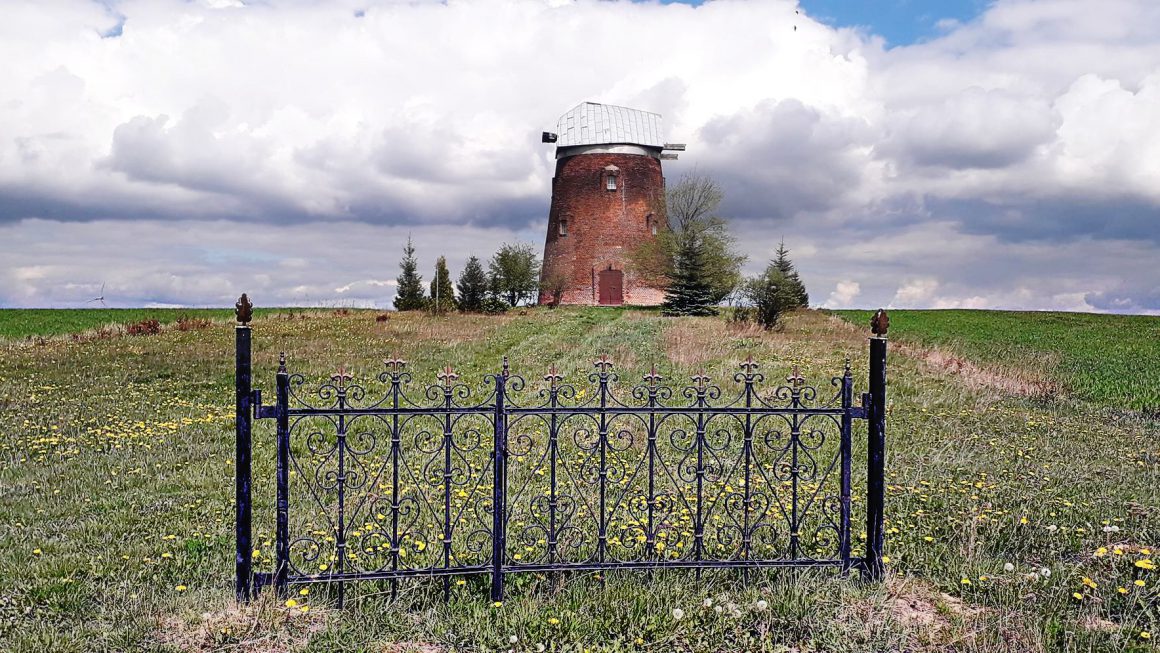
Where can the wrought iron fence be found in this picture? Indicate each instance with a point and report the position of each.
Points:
(503, 476)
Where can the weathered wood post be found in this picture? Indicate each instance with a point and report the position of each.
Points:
(876, 448)
(243, 422)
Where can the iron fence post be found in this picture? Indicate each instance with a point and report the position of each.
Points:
(282, 524)
(876, 449)
(499, 467)
(243, 422)
(845, 453)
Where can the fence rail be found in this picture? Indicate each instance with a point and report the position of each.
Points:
(505, 477)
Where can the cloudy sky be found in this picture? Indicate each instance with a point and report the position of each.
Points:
(932, 154)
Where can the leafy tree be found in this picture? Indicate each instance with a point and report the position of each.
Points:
(514, 273)
(690, 208)
(442, 293)
(554, 285)
(691, 291)
(766, 296)
(409, 290)
(472, 286)
(792, 287)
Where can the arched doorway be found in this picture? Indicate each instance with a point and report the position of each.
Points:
(611, 287)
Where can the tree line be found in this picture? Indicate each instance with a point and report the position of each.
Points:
(696, 259)
(512, 277)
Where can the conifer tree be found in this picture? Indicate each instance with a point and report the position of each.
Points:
(792, 287)
(409, 289)
(442, 294)
(472, 286)
(691, 291)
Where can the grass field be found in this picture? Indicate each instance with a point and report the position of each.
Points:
(29, 323)
(1109, 360)
(116, 492)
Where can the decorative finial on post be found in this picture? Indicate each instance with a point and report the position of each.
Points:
(506, 368)
(282, 362)
(244, 310)
(880, 323)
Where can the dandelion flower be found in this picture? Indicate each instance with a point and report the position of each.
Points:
(304, 591)
(1045, 572)
(540, 648)
(497, 604)
(181, 588)
(513, 639)
(1122, 590)
(761, 605)
(1138, 583)
(1145, 634)
(678, 613)
(1008, 567)
(1145, 564)
(305, 609)
(708, 603)
(1077, 596)
(554, 621)
(965, 581)
(291, 603)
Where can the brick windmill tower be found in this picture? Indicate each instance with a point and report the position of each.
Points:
(607, 198)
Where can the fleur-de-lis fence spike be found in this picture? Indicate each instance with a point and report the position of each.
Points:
(652, 378)
(749, 366)
(603, 364)
(553, 377)
(795, 380)
(395, 364)
(447, 376)
(341, 377)
(701, 380)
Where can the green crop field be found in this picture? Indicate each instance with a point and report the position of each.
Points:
(1110, 360)
(27, 323)
(1016, 521)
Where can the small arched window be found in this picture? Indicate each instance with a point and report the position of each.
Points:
(610, 175)
(563, 227)
(650, 223)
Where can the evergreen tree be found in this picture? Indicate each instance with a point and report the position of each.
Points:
(442, 294)
(409, 290)
(792, 287)
(691, 291)
(472, 286)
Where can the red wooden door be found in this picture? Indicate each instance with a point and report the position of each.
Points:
(611, 287)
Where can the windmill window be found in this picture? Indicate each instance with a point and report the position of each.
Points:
(650, 224)
(563, 230)
(610, 174)
(610, 182)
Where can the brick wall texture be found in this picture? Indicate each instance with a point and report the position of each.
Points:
(602, 226)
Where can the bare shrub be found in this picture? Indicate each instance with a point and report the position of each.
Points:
(144, 328)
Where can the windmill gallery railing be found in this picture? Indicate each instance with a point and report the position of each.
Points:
(501, 478)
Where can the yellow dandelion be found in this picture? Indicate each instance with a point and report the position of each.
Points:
(460, 582)
(497, 604)
(181, 588)
(966, 581)
(554, 621)
(1122, 590)
(1077, 596)
(291, 603)
(1145, 634)
(304, 591)
(305, 609)
(1138, 583)
(36, 552)
(1145, 564)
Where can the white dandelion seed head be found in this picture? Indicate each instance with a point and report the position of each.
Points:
(1045, 572)
(719, 609)
(513, 639)
(761, 605)
(539, 648)
(708, 603)
(1008, 567)
(678, 613)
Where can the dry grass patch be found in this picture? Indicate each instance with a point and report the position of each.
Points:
(264, 626)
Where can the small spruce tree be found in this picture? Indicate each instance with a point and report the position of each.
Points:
(691, 291)
(472, 286)
(409, 289)
(792, 287)
(442, 293)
